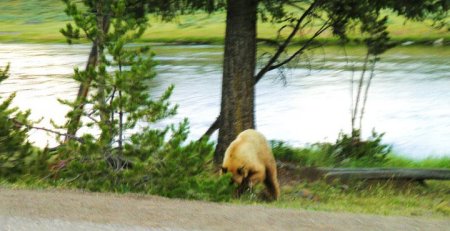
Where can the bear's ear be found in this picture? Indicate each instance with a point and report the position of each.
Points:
(224, 170)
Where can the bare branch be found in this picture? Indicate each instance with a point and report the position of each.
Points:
(360, 85)
(214, 126)
(366, 92)
(68, 136)
(89, 116)
(303, 48)
(298, 7)
(352, 79)
(283, 46)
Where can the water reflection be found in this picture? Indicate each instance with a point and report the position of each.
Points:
(409, 98)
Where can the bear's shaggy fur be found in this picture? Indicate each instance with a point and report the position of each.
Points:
(250, 160)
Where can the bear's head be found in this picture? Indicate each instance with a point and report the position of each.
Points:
(238, 174)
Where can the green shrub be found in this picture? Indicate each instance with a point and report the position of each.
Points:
(163, 164)
(284, 152)
(123, 155)
(350, 150)
(17, 156)
(312, 155)
(347, 151)
(185, 170)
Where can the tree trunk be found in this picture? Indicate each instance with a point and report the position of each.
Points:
(237, 106)
(83, 90)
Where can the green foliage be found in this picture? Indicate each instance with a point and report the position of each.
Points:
(325, 155)
(13, 145)
(17, 156)
(345, 14)
(345, 152)
(120, 99)
(286, 153)
(128, 154)
(160, 163)
(314, 155)
(371, 152)
(4, 74)
(186, 170)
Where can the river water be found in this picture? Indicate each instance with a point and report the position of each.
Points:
(409, 99)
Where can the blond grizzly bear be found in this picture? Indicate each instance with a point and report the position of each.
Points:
(250, 160)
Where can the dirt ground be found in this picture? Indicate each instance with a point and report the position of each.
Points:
(157, 213)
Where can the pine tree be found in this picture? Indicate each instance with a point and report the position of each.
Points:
(15, 150)
(120, 98)
(121, 150)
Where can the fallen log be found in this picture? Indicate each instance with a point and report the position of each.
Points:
(387, 173)
(400, 174)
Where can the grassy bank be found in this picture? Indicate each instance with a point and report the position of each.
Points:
(383, 198)
(35, 21)
(373, 197)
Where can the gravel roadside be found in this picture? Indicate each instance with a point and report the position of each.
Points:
(75, 210)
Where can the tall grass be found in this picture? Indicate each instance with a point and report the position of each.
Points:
(383, 198)
(430, 162)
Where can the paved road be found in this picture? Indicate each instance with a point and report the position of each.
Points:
(72, 210)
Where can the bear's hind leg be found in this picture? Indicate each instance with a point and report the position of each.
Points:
(272, 185)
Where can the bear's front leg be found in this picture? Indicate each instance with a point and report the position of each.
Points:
(242, 187)
(240, 190)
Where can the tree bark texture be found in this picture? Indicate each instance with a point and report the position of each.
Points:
(237, 105)
(83, 91)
